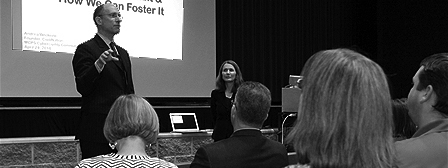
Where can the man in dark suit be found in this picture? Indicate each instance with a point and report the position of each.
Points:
(247, 147)
(102, 73)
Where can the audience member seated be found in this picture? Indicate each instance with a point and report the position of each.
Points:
(131, 126)
(345, 116)
(428, 108)
(404, 128)
(246, 147)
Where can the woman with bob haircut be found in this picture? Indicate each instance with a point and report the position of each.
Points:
(227, 82)
(131, 126)
(345, 115)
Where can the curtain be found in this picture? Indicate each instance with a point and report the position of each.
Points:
(272, 39)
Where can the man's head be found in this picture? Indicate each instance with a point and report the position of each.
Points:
(251, 106)
(430, 87)
(107, 19)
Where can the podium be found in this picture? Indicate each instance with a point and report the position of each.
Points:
(291, 94)
(291, 99)
(290, 107)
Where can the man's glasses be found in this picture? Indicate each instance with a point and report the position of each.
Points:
(113, 15)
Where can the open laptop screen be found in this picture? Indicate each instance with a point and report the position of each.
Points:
(181, 122)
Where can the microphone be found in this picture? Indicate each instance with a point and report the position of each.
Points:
(283, 123)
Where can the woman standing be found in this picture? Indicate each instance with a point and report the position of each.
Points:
(227, 82)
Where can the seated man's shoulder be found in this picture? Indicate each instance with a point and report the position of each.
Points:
(434, 141)
(216, 145)
(409, 146)
(430, 149)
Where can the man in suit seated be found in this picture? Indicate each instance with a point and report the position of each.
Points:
(247, 147)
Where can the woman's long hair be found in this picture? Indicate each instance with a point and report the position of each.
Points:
(345, 114)
(221, 85)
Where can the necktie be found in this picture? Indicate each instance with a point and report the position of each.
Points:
(115, 54)
(114, 48)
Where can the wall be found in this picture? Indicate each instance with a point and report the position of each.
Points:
(65, 152)
(409, 31)
(37, 117)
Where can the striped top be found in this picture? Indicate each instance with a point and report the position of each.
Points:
(116, 160)
(297, 166)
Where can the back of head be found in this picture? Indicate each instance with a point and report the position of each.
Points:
(435, 73)
(253, 101)
(131, 115)
(345, 117)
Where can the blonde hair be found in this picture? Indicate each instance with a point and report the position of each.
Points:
(345, 115)
(131, 115)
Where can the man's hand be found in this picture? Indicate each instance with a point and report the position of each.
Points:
(106, 56)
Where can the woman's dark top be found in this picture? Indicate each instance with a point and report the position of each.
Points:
(220, 107)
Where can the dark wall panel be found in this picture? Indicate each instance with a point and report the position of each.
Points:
(271, 39)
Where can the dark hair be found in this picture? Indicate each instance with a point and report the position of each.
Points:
(97, 12)
(403, 125)
(345, 114)
(253, 101)
(220, 84)
(435, 73)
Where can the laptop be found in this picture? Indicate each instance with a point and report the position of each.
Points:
(184, 123)
(295, 80)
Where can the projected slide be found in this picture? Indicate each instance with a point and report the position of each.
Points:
(61, 25)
